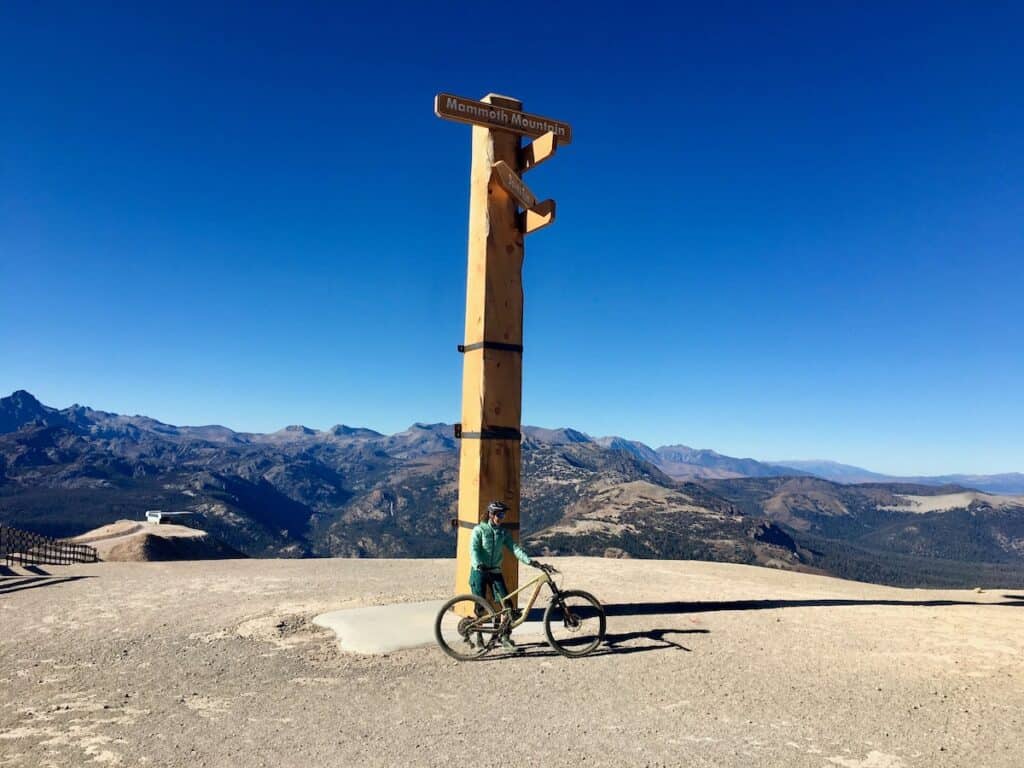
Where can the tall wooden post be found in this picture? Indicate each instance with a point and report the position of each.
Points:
(492, 372)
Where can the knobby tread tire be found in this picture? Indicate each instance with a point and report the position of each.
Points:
(549, 614)
(439, 636)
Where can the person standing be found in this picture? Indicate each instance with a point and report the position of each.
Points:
(487, 549)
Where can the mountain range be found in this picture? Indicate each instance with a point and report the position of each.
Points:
(683, 462)
(353, 491)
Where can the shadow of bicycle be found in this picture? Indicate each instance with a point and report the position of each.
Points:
(617, 643)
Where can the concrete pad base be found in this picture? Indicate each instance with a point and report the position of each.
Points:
(387, 628)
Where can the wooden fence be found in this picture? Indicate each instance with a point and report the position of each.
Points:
(19, 547)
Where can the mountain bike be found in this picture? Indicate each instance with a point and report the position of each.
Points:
(467, 626)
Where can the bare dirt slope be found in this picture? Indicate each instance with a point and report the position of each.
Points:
(217, 664)
(132, 541)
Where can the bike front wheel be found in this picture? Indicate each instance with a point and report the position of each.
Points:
(465, 627)
(574, 623)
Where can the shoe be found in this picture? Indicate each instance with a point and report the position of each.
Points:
(509, 645)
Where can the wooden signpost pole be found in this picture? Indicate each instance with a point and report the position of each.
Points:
(490, 449)
(489, 463)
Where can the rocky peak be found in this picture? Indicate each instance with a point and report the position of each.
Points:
(560, 436)
(22, 408)
(343, 430)
(634, 447)
(299, 429)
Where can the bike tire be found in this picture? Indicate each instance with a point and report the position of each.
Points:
(446, 623)
(584, 639)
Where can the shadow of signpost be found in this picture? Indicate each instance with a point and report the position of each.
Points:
(615, 643)
(682, 606)
(678, 606)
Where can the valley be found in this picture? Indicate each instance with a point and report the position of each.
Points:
(354, 492)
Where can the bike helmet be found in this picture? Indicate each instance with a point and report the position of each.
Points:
(497, 508)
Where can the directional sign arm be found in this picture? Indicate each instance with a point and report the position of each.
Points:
(538, 150)
(542, 215)
(514, 185)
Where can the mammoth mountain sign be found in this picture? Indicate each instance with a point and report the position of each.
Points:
(463, 110)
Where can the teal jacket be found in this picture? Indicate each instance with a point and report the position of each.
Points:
(487, 545)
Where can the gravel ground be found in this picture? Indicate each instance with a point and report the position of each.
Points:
(217, 663)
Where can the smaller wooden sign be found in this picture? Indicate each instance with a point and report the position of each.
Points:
(538, 150)
(510, 180)
(463, 110)
(540, 216)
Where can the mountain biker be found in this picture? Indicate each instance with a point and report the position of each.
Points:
(486, 549)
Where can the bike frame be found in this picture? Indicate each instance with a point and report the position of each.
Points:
(506, 602)
(505, 611)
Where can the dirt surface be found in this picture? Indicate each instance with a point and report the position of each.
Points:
(217, 663)
(131, 541)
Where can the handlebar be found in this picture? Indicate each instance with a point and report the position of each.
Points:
(544, 567)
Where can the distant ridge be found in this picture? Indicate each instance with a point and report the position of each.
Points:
(677, 461)
(1007, 483)
(833, 470)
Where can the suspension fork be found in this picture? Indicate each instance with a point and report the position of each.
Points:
(556, 594)
(557, 599)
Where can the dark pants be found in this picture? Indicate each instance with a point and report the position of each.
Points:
(479, 581)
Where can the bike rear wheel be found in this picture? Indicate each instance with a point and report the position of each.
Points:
(465, 627)
(575, 623)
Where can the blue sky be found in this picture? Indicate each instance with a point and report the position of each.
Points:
(790, 231)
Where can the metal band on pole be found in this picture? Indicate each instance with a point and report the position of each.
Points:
(491, 433)
(471, 526)
(498, 345)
